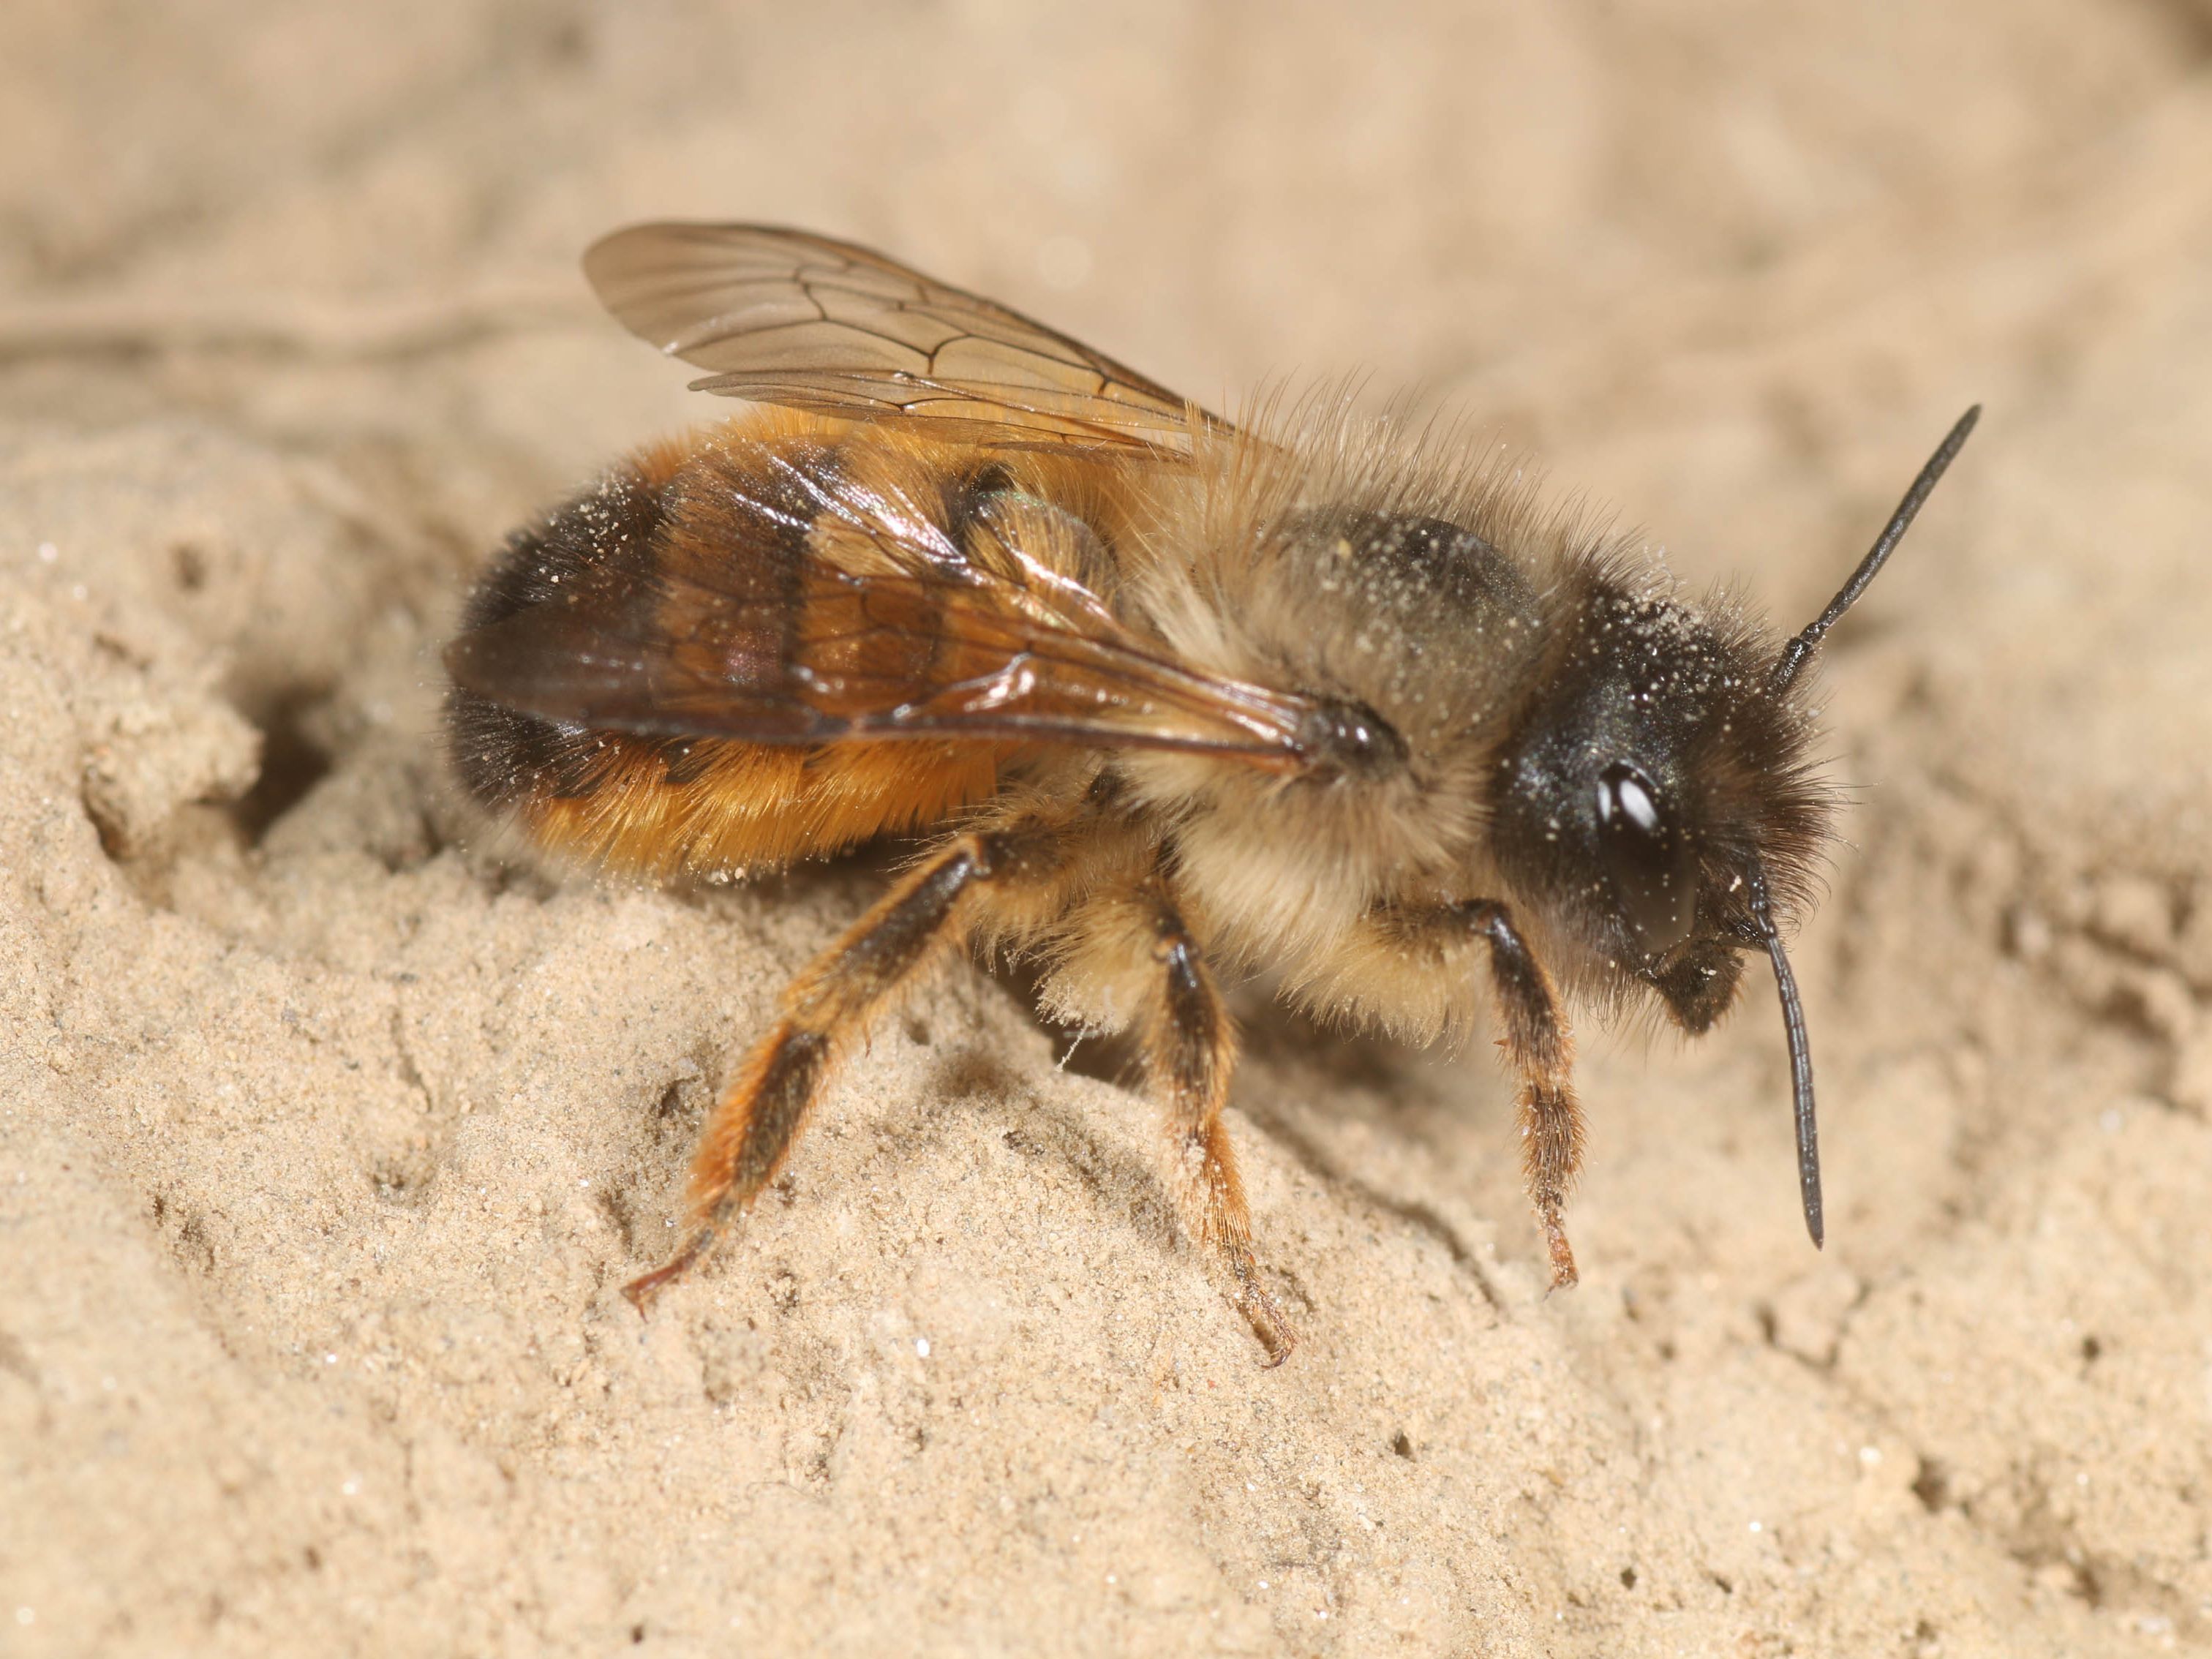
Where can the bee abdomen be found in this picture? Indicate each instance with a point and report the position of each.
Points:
(730, 517)
(505, 757)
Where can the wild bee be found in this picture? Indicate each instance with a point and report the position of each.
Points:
(1166, 699)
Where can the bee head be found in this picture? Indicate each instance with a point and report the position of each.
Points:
(1656, 806)
(1650, 767)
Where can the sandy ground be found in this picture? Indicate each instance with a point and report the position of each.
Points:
(325, 1139)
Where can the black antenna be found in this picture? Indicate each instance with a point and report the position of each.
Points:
(1801, 1049)
(1795, 653)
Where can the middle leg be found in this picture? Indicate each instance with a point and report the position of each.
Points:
(1189, 1048)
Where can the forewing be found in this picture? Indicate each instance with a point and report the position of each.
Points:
(811, 323)
(756, 635)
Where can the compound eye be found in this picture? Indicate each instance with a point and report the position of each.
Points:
(1648, 858)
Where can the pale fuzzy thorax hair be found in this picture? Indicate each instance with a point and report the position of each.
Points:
(1289, 875)
(1286, 871)
(1317, 446)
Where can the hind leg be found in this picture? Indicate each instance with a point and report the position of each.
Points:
(746, 1142)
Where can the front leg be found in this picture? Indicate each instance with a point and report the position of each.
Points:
(1430, 939)
(1537, 1045)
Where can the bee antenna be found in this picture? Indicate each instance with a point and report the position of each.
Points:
(1801, 1050)
(1795, 653)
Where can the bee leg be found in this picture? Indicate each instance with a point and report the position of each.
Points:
(746, 1143)
(1538, 1047)
(1189, 1047)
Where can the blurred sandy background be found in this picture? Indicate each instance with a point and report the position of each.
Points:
(324, 1140)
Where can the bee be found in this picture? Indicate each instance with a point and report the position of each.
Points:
(1165, 700)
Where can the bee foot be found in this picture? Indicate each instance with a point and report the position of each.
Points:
(642, 1291)
(1564, 1276)
(1276, 1333)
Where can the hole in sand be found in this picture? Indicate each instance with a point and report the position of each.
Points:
(292, 763)
(674, 1105)
(190, 562)
(402, 1178)
(1932, 1485)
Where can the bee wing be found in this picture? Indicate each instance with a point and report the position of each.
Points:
(811, 323)
(901, 634)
